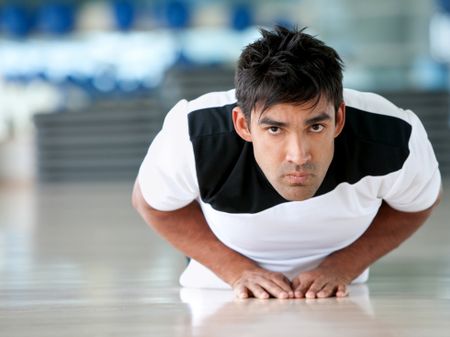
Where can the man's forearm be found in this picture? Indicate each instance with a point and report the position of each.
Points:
(387, 231)
(187, 230)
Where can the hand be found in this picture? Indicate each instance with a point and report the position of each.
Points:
(262, 284)
(320, 283)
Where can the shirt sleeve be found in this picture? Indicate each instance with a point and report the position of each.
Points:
(419, 181)
(167, 176)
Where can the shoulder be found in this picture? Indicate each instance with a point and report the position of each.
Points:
(378, 110)
(207, 101)
(205, 115)
(212, 100)
(394, 140)
(227, 175)
(375, 140)
(210, 114)
(374, 104)
(372, 118)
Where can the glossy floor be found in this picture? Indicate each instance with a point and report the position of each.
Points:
(75, 260)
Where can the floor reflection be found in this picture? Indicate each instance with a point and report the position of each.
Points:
(218, 313)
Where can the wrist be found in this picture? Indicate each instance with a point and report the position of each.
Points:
(345, 267)
(232, 271)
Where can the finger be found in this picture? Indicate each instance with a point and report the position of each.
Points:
(327, 291)
(341, 291)
(295, 283)
(258, 291)
(273, 288)
(241, 292)
(315, 287)
(302, 287)
(284, 283)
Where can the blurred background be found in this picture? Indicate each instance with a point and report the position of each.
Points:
(85, 85)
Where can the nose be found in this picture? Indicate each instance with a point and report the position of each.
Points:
(298, 150)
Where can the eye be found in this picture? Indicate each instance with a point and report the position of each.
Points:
(317, 128)
(274, 130)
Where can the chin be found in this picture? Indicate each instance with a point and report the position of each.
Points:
(297, 195)
(298, 198)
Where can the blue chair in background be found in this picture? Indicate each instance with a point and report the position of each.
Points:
(177, 14)
(241, 17)
(17, 21)
(124, 13)
(445, 5)
(56, 18)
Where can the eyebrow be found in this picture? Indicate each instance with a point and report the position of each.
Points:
(271, 122)
(317, 119)
(320, 118)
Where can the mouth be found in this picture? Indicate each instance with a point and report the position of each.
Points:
(297, 178)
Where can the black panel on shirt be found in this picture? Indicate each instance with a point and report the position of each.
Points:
(231, 181)
(369, 145)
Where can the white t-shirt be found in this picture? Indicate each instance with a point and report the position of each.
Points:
(383, 153)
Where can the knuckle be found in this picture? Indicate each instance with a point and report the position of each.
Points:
(260, 293)
(247, 274)
(327, 291)
(316, 286)
(272, 276)
(303, 286)
(313, 289)
(279, 276)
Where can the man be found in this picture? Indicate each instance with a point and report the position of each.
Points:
(289, 186)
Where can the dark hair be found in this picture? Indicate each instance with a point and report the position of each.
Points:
(287, 66)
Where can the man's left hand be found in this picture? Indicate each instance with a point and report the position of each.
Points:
(321, 282)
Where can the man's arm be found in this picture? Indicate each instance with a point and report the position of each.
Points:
(187, 230)
(388, 230)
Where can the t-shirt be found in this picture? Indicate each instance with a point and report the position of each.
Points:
(383, 153)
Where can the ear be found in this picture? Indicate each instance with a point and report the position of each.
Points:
(240, 124)
(340, 119)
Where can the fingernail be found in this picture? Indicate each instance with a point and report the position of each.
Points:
(282, 296)
(310, 294)
(298, 294)
(264, 296)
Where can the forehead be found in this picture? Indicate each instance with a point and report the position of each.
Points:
(295, 110)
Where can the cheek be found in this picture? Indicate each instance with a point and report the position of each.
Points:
(268, 155)
(323, 152)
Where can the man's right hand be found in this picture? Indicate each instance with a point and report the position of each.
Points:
(262, 284)
(187, 230)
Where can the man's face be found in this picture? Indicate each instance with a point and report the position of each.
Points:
(293, 144)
